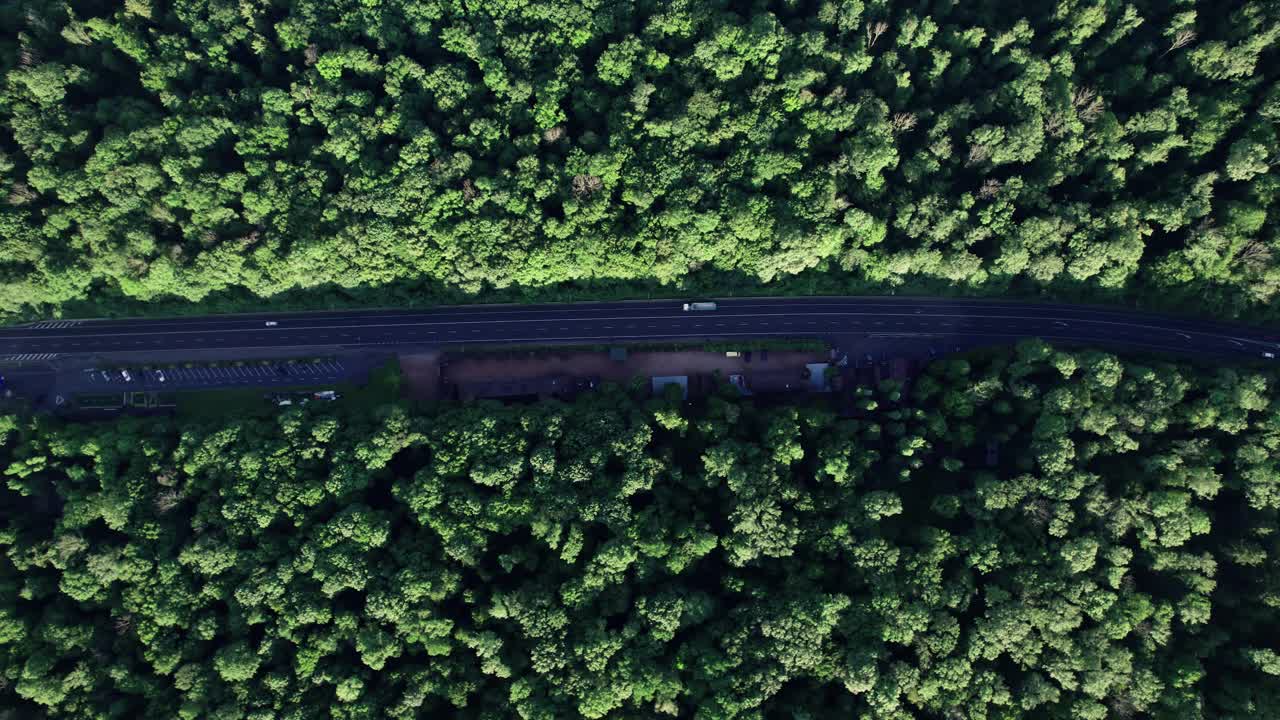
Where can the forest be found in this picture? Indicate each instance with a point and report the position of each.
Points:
(194, 150)
(1021, 534)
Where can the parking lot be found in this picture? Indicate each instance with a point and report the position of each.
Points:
(281, 373)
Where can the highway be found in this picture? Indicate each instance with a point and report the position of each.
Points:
(971, 322)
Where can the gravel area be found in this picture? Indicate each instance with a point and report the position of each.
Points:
(478, 368)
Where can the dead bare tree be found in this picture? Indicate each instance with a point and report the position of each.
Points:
(37, 20)
(68, 546)
(28, 57)
(1122, 707)
(468, 190)
(990, 188)
(167, 500)
(312, 54)
(902, 122)
(1255, 255)
(1038, 511)
(76, 32)
(584, 185)
(1182, 39)
(1082, 96)
(978, 154)
(553, 134)
(874, 31)
(1087, 103)
(1054, 124)
(21, 194)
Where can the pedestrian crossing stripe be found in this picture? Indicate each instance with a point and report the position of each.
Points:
(55, 324)
(32, 356)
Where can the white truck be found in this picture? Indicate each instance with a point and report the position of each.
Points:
(692, 306)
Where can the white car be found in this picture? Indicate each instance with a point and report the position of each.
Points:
(272, 323)
(127, 377)
(1269, 355)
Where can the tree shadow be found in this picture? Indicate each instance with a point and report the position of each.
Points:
(1194, 299)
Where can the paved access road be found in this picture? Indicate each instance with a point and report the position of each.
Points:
(949, 321)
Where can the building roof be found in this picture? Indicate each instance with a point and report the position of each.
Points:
(660, 383)
(551, 385)
(771, 381)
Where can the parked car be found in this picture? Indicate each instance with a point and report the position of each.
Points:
(127, 377)
(272, 323)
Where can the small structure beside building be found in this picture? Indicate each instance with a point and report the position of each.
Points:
(285, 399)
(818, 380)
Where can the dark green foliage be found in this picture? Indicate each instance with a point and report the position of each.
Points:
(158, 150)
(631, 557)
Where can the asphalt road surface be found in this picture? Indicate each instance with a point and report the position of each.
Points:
(949, 321)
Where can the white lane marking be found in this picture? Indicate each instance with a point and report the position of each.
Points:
(728, 312)
(1071, 338)
(496, 310)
